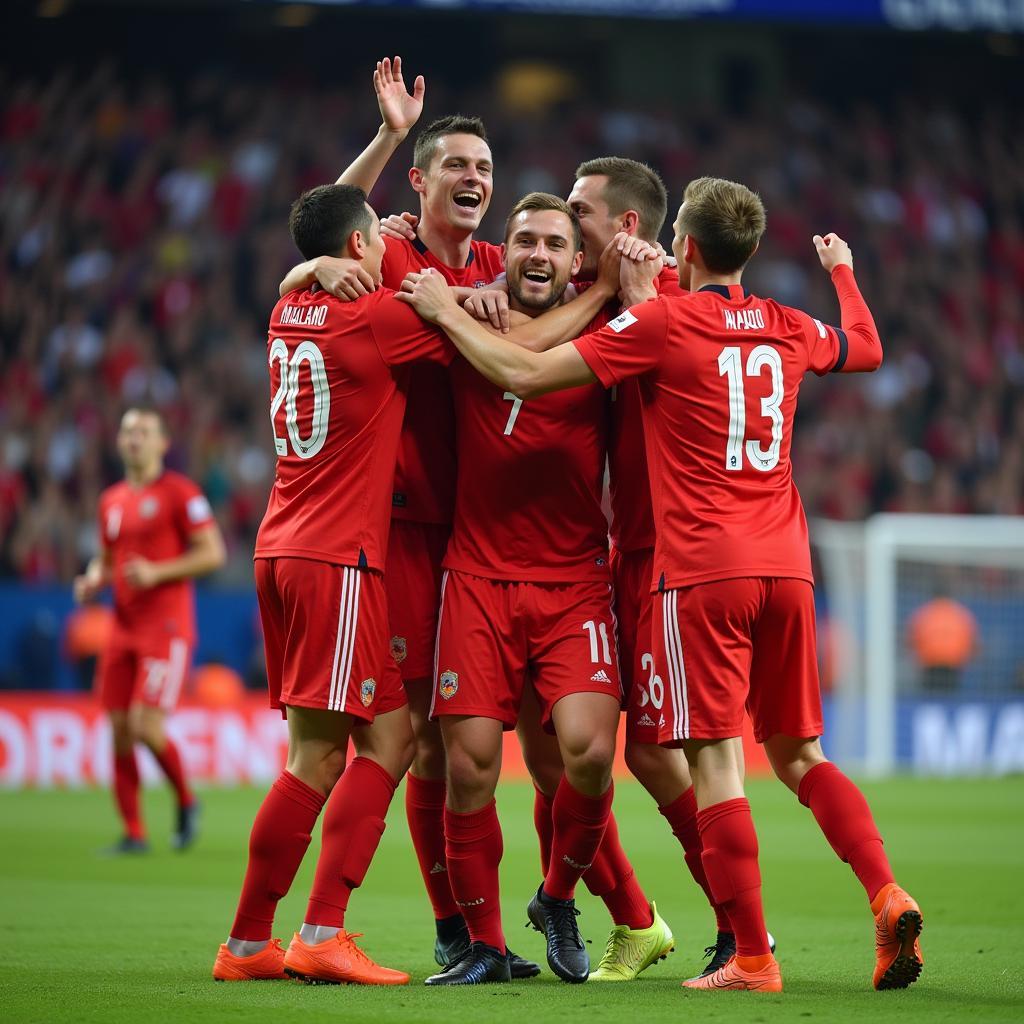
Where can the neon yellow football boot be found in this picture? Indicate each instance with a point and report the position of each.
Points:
(632, 950)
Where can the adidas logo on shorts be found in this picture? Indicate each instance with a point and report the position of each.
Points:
(600, 676)
(645, 719)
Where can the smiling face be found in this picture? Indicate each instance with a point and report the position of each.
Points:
(540, 258)
(596, 221)
(455, 190)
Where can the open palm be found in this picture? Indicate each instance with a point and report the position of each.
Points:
(399, 108)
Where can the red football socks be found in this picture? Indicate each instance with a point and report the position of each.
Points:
(611, 878)
(843, 815)
(424, 810)
(542, 809)
(681, 816)
(579, 822)
(353, 825)
(170, 761)
(474, 849)
(730, 863)
(277, 843)
(126, 793)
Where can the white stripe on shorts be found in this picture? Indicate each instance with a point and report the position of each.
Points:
(677, 641)
(174, 679)
(348, 627)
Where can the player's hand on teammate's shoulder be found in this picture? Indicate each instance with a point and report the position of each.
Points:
(428, 293)
(833, 251)
(633, 248)
(344, 278)
(399, 225)
(641, 264)
(399, 108)
(489, 305)
(141, 573)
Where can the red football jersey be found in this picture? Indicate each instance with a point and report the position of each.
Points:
(632, 523)
(154, 522)
(338, 380)
(528, 502)
(424, 490)
(721, 374)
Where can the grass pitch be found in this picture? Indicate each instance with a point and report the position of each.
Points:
(128, 940)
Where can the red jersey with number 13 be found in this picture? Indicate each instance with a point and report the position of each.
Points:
(424, 490)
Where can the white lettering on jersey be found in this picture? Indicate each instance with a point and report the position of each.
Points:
(744, 319)
(197, 509)
(308, 316)
(113, 522)
(622, 321)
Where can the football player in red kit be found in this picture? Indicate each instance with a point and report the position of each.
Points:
(734, 610)
(157, 533)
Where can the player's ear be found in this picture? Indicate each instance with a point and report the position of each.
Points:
(629, 222)
(577, 262)
(416, 179)
(357, 244)
(691, 252)
(503, 251)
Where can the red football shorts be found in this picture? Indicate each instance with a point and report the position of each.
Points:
(732, 644)
(643, 691)
(325, 634)
(413, 572)
(493, 633)
(147, 670)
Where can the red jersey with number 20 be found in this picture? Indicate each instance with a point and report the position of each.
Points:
(722, 372)
(424, 490)
(338, 380)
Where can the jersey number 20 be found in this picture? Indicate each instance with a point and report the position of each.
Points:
(288, 392)
(730, 361)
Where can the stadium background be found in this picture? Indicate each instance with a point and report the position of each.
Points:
(148, 156)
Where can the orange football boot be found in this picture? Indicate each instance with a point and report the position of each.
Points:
(732, 976)
(266, 965)
(898, 959)
(337, 961)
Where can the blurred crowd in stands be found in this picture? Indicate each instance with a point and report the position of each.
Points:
(143, 235)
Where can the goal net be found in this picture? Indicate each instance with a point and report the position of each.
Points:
(921, 643)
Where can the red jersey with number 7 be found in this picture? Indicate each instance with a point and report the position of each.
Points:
(338, 380)
(424, 490)
(721, 372)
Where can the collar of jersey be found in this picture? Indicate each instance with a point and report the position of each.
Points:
(727, 291)
(417, 244)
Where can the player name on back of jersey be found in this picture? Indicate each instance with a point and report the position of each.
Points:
(304, 316)
(743, 319)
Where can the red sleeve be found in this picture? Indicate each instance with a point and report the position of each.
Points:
(395, 264)
(667, 282)
(192, 511)
(853, 348)
(402, 336)
(631, 344)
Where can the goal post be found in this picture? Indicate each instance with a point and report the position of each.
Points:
(892, 707)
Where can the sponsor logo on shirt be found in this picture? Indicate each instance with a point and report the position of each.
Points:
(367, 690)
(600, 676)
(398, 649)
(621, 322)
(198, 509)
(148, 507)
(448, 684)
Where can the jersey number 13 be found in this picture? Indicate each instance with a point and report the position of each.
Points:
(730, 364)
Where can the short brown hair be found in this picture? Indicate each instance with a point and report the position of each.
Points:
(149, 409)
(546, 201)
(453, 124)
(322, 219)
(631, 186)
(725, 219)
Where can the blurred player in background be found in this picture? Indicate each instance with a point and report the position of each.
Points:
(156, 533)
(338, 379)
(734, 615)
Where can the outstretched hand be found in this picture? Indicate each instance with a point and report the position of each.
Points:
(428, 293)
(833, 251)
(400, 109)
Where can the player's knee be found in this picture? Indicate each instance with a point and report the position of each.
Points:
(470, 772)
(791, 761)
(428, 761)
(590, 767)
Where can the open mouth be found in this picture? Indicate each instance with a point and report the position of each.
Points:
(468, 200)
(537, 276)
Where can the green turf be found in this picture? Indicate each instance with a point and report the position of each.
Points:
(94, 939)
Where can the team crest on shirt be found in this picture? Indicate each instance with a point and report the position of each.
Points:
(448, 684)
(398, 649)
(148, 507)
(367, 690)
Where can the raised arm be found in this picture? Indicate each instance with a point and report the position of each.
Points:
(509, 365)
(864, 347)
(399, 111)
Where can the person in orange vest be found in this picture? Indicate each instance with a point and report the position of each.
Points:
(943, 636)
